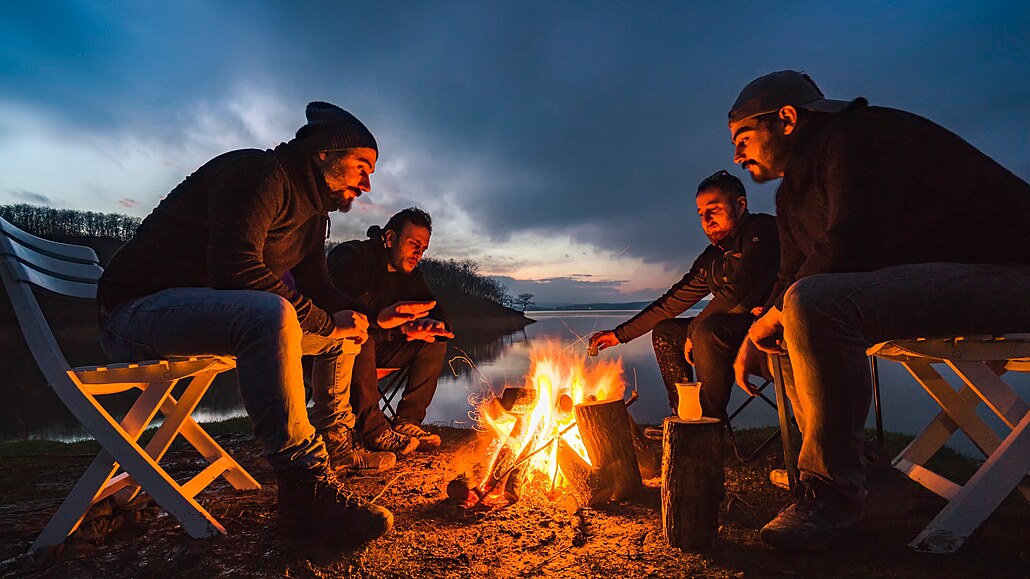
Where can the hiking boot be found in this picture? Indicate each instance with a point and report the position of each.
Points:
(346, 454)
(392, 441)
(817, 518)
(315, 509)
(426, 440)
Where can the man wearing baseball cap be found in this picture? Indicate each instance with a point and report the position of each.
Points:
(232, 262)
(890, 227)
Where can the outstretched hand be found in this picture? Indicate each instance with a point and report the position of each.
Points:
(604, 339)
(403, 312)
(426, 329)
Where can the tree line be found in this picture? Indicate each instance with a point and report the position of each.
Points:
(459, 276)
(49, 222)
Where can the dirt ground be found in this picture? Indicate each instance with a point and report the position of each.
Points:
(535, 537)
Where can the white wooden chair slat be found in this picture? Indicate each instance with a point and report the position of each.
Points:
(66, 251)
(71, 270)
(78, 389)
(979, 361)
(74, 289)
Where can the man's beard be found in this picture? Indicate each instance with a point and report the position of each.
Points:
(337, 201)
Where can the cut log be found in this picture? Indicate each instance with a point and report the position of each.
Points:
(693, 483)
(588, 484)
(604, 427)
(649, 459)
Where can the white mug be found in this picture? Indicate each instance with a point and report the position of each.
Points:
(689, 400)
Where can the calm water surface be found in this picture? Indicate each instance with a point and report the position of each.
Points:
(505, 361)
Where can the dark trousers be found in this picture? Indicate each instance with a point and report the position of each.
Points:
(424, 361)
(716, 339)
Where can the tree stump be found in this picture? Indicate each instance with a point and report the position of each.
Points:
(604, 427)
(693, 483)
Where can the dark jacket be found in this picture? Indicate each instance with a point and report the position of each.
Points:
(738, 272)
(359, 268)
(872, 187)
(241, 221)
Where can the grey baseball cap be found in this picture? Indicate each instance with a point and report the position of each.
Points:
(776, 90)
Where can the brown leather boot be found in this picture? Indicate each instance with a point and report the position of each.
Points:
(347, 455)
(313, 506)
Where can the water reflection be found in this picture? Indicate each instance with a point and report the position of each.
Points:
(480, 362)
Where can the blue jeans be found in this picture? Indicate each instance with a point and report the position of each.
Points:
(830, 319)
(261, 330)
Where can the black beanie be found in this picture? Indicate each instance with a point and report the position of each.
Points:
(331, 128)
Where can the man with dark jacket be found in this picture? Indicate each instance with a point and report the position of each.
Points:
(380, 271)
(204, 275)
(738, 270)
(891, 227)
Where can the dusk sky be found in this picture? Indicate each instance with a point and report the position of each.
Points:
(559, 144)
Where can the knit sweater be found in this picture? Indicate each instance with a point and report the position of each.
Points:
(240, 222)
(872, 187)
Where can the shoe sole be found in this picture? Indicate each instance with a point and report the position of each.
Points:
(429, 443)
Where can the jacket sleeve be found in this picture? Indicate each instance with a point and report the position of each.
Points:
(681, 296)
(790, 261)
(312, 275)
(349, 270)
(755, 272)
(242, 206)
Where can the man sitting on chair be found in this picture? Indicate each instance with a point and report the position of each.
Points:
(380, 271)
(891, 227)
(738, 269)
(204, 274)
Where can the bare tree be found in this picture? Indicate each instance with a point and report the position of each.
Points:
(525, 300)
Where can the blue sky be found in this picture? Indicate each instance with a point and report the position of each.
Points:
(557, 143)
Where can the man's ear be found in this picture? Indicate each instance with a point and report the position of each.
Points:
(742, 204)
(789, 116)
(389, 237)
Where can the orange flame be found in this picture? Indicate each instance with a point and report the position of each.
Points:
(562, 380)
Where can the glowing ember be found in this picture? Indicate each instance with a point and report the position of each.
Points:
(528, 422)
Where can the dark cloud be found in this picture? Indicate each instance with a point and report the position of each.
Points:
(31, 197)
(128, 203)
(593, 120)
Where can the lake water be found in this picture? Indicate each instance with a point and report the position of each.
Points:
(505, 361)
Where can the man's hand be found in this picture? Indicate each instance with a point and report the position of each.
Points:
(750, 361)
(403, 312)
(350, 325)
(688, 352)
(604, 339)
(426, 329)
(767, 333)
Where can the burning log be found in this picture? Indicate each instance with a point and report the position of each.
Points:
(692, 481)
(604, 427)
(588, 483)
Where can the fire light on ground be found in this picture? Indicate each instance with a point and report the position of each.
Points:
(530, 425)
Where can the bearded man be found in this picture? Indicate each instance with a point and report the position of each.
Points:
(891, 227)
(738, 270)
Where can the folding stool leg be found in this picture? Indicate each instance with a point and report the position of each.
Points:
(981, 495)
(962, 411)
(790, 455)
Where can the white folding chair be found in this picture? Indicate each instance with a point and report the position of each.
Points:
(73, 271)
(979, 361)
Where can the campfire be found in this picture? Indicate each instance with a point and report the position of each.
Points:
(566, 431)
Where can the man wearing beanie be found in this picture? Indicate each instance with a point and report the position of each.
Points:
(204, 274)
(890, 227)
